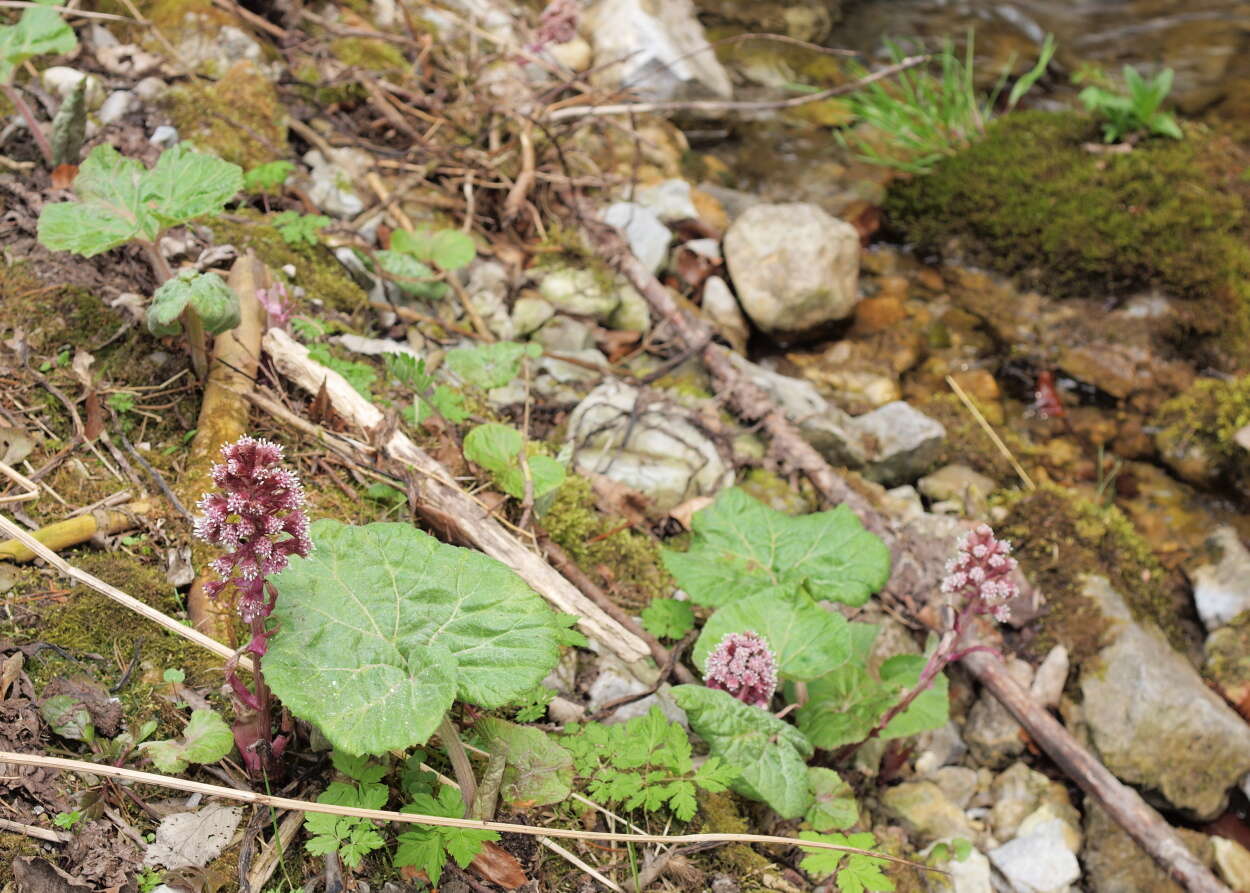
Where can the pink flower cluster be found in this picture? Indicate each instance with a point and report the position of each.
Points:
(277, 304)
(258, 517)
(744, 666)
(981, 572)
(556, 24)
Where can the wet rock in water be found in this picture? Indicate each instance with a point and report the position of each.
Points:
(645, 442)
(1128, 371)
(722, 311)
(795, 268)
(1038, 862)
(993, 736)
(1114, 863)
(1222, 585)
(658, 50)
(901, 442)
(1050, 678)
(648, 238)
(926, 812)
(1153, 720)
(861, 374)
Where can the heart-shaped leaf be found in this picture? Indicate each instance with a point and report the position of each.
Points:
(206, 739)
(497, 448)
(770, 754)
(742, 546)
(807, 640)
(383, 626)
(40, 30)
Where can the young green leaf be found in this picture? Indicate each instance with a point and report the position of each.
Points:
(860, 873)
(447, 249)
(69, 126)
(807, 640)
(427, 847)
(742, 547)
(300, 229)
(207, 294)
(497, 448)
(411, 275)
(360, 768)
(67, 716)
(268, 177)
(118, 200)
(40, 30)
(667, 618)
(206, 739)
(490, 366)
(385, 494)
(833, 802)
(383, 626)
(359, 375)
(539, 771)
(770, 754)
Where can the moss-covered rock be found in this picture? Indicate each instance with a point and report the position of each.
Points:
(1029, 199)
(1196, 432)
(239, 118)
(369, 54)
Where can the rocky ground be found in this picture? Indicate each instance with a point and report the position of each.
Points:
(1104, 431)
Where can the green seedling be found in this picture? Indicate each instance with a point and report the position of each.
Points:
(414, 260)
(67, 820)
(300, 229)
(502, 451)
(667, 618)
(39, 31)
(206, 739)
(1136, 112)
(430, 398)
(268, 178)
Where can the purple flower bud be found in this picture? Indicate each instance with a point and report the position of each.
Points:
(257, 517)
(981, 572)
(277, 304)
(744, 666)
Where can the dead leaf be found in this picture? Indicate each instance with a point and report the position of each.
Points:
(617, 345)
(178, 569)
(105, 711)
(41, 876)
(63, 175)
(10, 672)
(498, 866)
(193, 839)
(615, 498)
(684, 513)
(102, 855)
(81, 366)
(15, 445)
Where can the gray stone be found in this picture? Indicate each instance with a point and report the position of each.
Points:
(958, 783)
(529, 314)
(151, 89)
(1055, 810)
(722, 311)
(926, 812)
(119, 104)
(1051, 677)
(902, 442)
(330, 183)
(1114, 863)
(669, 200)
(164, 137)
(582, 292)
(631, 315)
(972, 875)
(565, 335)
(1018, 791)
(1039, 862)
(656, 50)
(1222, 587)
(939, 747)
(991, 733)
(567, 373)
(648, 238)
(957, 482)
(488, 288)
(643, 441)
(795, 268)
(1153, 720)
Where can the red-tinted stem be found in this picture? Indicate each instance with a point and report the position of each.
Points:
(19, 103)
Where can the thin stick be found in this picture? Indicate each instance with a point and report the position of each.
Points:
(578, 863)
(117, 595)
(413, 818)
(988, 429)
(34, 831)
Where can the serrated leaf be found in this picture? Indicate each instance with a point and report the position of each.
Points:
(770, 754)
(741, 547)
(67, 716)
(807, 640)
(833, 802)
(490, 366)
(213, 301)
(858, 874)
(321, 846)
(424, 850)
(451, 249)
(538, 769)
(383, 626)
(40, 30)
(667, 618)
(361, 768)
(109, 212)
(206, 739)
(267, 177)
(185, 184)
(497, 448)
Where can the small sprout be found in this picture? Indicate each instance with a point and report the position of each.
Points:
(67, 820)
(267, 178)
(300, 229)
(204, 294)
(121, 401)
(744, 666)
(174, 676)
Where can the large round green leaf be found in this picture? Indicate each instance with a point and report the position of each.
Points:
(383, 626)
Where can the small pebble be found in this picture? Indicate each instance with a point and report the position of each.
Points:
(164, 136)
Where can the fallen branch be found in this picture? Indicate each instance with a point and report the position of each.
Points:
(444, 503)
(74, 531)
(413, 818)
(1121, 802)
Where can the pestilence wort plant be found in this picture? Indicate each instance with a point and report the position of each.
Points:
(257, 515)
(743, 665)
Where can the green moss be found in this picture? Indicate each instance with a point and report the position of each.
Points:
(13, 847)
(968, 444)
(316, 268)
(622, 560)
(1202, 422)
(719, 814)
(774, 491)
(239, 118)
(1028, 199)
(1059, 538)
(369, 54)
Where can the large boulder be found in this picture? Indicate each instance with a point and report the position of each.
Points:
(655, 48)
(795, 268)
(1153, 720)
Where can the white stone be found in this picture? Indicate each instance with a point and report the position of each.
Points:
(1039, 862)
(151, 89)
(657, 49)
(904, 442)
(1047, 813)
(62, 80)
(709, 248)
(669, 200)
(972, 875)
(1050, 678)
(795, 268)
(330, 183)
(1233, 861)
(164, 136)
(373, 347)
(574, 54)
(648, 238)
(1222, 590)
(119, 104)
(529, 313)
(722, 311)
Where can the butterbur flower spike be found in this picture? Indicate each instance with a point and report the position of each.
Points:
(744, 666)
(257, 516)
(981, 572)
